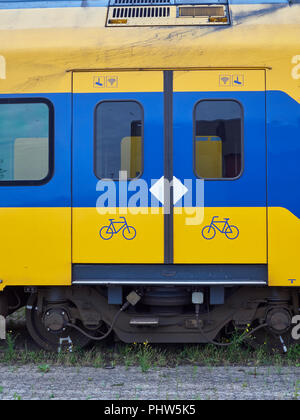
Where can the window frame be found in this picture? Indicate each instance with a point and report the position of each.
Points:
(142, 138)
(51, 121)
(242, 138)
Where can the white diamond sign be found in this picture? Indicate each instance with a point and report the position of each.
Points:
(158, 189)
(179, 190)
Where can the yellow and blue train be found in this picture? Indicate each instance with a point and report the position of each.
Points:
(149, 168)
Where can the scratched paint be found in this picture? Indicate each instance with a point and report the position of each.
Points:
(2, 67)
(62, 39)
(296, 68)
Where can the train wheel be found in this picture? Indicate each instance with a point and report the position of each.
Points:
(270, 342)
(65, 338)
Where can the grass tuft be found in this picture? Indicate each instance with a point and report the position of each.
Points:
(150, 356)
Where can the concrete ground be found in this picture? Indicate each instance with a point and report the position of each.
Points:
(181, 383)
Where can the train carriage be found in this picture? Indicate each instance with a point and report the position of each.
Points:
(149, 168)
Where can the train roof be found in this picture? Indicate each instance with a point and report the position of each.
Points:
(15, 4)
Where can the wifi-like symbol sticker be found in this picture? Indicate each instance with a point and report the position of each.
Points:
(225, 80)
(112, 81)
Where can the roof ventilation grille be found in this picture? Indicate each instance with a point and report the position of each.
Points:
(165, 13)
(140, 12)
(202, 11)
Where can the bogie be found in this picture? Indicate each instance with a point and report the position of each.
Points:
(154, 314)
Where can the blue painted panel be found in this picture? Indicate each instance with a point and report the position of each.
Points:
(20, 4)
(40, 4)
(217, 295)
(201, 2)
(258, 2)
(283, 151)
(84, 180)
(115, 295)
(250, 188)
(57, 192)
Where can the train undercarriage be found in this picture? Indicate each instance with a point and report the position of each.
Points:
(59, 317)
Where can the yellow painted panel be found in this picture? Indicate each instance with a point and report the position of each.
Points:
(131, 156)
(194, 241)
(32, 72)
(114, 81)
(283, 247)
(219, 81)
(144, 243)
(209, 157)
(35, 246)
(40, 46)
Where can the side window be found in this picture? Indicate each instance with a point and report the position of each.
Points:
(26, 141)
(118, 139)
(218, 139)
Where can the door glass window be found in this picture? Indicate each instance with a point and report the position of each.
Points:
(25, 141)
(118, 139)
(218, 142)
